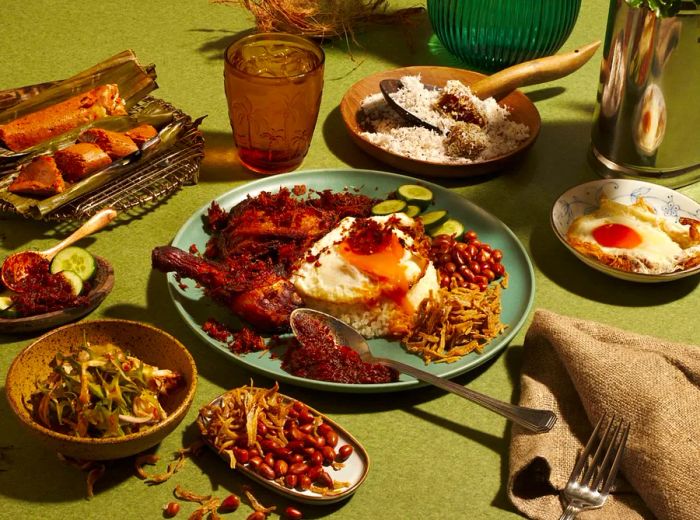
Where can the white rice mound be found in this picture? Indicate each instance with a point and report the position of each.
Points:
(385, 318)
(392, 133)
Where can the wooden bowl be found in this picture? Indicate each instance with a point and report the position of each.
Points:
(522, 110)
(146, 342)
(102, 285)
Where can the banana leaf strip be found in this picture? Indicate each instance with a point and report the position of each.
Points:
(166, 138)
(153, 113)
(135, 83)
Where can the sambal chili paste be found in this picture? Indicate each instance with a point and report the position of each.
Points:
(43, 291)
(317, 355)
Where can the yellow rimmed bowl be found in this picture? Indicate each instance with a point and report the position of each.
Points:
(148, 343)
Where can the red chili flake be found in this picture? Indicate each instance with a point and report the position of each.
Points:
(217, 218)
(193, 249)
(216, 330)
(245, 340)
(211, 251)
(299, 190)
(44, 292)
(182, 285)
(367, 236)
(344, 204)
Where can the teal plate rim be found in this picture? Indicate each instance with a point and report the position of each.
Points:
(517, 299)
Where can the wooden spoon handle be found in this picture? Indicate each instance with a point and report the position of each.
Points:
(95, 223)
(531, 72)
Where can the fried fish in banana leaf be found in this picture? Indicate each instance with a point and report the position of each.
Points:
(166, 138)
(153, 114)
(133, 80)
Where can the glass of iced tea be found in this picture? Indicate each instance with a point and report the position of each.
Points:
(273, 86)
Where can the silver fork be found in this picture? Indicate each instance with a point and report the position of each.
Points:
(590, 481)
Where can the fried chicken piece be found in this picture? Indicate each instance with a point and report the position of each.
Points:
(259, 296)
(254, 249)
(40, 178)
(276, 227)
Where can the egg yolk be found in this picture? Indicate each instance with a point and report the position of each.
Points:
(384, 266)
(617, 235)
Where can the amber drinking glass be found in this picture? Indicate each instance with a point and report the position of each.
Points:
(490, 35)
(273, 87)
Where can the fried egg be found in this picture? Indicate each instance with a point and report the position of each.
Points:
(634, 238)
(334, 273)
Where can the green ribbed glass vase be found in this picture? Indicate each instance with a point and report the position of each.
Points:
(490, 35)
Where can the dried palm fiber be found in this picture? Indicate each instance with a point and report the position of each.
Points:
(322, 18)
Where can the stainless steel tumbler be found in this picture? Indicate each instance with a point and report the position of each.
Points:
(647, 119)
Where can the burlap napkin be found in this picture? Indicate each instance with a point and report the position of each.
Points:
(580, 370)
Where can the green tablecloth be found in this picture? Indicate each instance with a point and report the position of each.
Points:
(433, 455)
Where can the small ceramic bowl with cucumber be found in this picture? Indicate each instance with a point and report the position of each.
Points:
(90, 277)
(416, 202)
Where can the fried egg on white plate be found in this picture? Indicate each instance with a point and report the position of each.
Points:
(634, 238)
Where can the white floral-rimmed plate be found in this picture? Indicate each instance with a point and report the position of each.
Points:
(584, 198)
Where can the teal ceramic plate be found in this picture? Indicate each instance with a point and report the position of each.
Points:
(195, 308)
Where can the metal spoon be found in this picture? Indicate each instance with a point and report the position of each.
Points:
(535, 420)
(17, 267)
(503, 82)
(392, 86)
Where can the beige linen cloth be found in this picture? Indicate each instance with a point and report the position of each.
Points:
(580, 370)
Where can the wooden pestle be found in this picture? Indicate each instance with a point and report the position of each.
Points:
(532, 72)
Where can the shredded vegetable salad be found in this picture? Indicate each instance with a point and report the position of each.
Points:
(101, 391)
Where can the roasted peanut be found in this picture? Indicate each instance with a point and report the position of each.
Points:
(281, 467)
(293, 513)
(298, 468)
(344, 452)
(265, 471)
(230, 503)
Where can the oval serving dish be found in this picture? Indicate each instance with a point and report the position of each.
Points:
(584, 198)
(522, 110)
(102, 285)
(353, 472)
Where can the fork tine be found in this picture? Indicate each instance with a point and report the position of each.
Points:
(609, 453)
(606, 441)
(586, 451)
(618, 458)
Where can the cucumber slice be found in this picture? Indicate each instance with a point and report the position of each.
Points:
(74, 259)
(74, 280)
(387, 207)
(415, 195)
(5, 302)
(412, 211)
(449, 227)
(433, 218)
(10, 313)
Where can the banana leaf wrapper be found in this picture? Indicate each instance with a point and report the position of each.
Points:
(167, 136)
(135, 83)
(153, 114)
